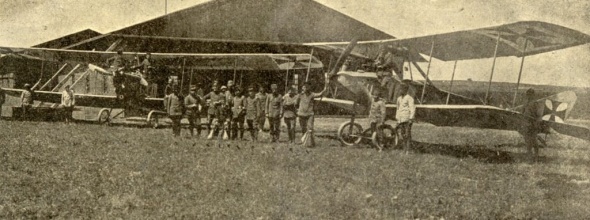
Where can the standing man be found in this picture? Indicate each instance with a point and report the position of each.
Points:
(274, 112)
(534, 114)
(405, 115)
(377, 114)
(289, 112)
(252, 105)
(261, 117)
(215, 98)
(175, 109)
(26, 100)
(306, 110)
(68, 100)
(193, 104)
(237, 115)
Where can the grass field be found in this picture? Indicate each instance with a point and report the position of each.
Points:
(54, 170)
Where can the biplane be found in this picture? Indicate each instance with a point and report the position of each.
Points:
(351, 90)
(130, 85)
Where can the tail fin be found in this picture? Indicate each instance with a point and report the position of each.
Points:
(557, 108)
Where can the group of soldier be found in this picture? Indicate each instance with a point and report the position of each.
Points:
(229, 110)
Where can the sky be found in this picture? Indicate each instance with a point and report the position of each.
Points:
(24, 23)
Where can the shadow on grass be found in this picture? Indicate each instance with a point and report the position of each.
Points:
(480, 153)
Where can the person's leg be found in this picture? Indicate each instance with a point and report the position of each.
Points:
(409, 135)
(234, 128)
(191, 124)
(303, 124)
(197, 121)
(241, 127)
(289, 128)
(210, 118)
(271, 131)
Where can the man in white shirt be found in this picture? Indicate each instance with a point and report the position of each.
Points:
(68, 100)
(405, 115)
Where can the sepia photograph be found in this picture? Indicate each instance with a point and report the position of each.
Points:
(294, 109)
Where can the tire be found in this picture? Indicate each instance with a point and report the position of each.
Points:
(152, 120)
(349, 133)
(104, 117)
(388, 139)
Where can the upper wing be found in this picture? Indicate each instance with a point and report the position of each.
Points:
(480, 43)
(219, 61)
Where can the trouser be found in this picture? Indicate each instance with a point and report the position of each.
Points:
(275, 125)
(291, 128)
(210, 118)
(405, 132)
(194, 120)
(237, 127)
(306, 123)
(260, 121)
(175, 124)
(26, 111)
(253, 128)
(68, 111)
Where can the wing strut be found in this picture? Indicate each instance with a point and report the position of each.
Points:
(452, 79)
(493, 66)
(65, 78)
(54, 76)
(427, 70)
(526, 41)
(309, 65)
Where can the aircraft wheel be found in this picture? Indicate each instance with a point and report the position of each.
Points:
(152, 120)
(386, 138)
(349, 133)
(104, 117)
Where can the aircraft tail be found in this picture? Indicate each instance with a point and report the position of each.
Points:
(557, 109)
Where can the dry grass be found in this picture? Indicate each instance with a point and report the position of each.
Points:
(53, 170)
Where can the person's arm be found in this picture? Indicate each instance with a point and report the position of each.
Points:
(412, 108)
(63, 94)
(320, 94)
(73, 97)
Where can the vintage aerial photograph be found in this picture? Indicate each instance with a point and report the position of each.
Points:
(294, 109)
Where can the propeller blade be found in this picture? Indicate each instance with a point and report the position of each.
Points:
(342, 58)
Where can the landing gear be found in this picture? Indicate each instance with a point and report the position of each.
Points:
(104, 117)
(152, 119)
(386, 136)
(350, 133)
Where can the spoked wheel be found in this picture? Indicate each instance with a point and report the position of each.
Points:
(104, 117)
(350, 133)
(152, 120)
(386, 137)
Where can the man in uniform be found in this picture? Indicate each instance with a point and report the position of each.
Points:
(534, 114)
(193, 104)
(237, 119)
(252, 105)
(26, 100)
(306, 109)
(175, 109)
(377, 113)
(290, 112)
(68, 100)
(214, 97)
(261, 117)
(405, 115)
(274, 112)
